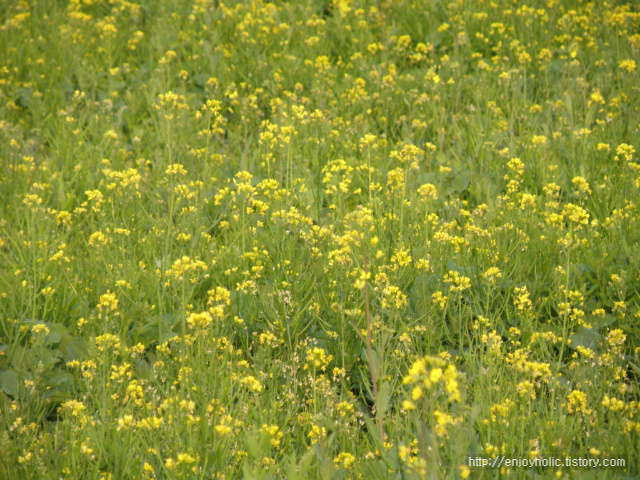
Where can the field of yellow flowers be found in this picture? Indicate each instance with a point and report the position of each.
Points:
(311, 239)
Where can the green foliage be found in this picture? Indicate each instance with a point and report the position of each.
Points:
(339, 239)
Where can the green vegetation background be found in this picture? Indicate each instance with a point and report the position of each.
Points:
(231, 232)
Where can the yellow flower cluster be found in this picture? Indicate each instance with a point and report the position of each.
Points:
(317, 358)
(185, 265)
(426, 374)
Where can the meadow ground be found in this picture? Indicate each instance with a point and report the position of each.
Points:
(377, 239)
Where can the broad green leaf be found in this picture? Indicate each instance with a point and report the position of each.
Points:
(384, 395)
(10, 382)
(460, 182)
(585, 338)
(252, 445)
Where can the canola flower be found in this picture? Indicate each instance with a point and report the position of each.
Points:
(361, 246)
(426, 374)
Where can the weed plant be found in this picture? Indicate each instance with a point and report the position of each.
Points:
(306, 239)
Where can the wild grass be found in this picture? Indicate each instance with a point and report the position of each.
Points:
(348, 239)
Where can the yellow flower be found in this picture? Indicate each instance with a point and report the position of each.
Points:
(625, 151)
(345, 459)
(408, 405)
(252, 383)
(417, 393)
(435, 375)
(317, 433)
(361, 281)
(185, 458)
(628, 65)
(317, 358)
(492, 273)
(223, 429)
(577, 401)
(125, 422)
(274, 433)
(538, 140)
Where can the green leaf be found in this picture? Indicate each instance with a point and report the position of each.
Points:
(585, 338)
(51, 338)
(340, 474)
(382, 403)
(374, 432)
(299, 470)
(423, 178)
(10, 382)
(59, 387)
(600, 322)
(317, 450)
(318, 269)
(306, 462)
(373, 360)
(327, 469)
(252, 446)
(247, 474)
(49, 358)
(460, 182)
(75, 350)
(57, 328)
(22, 358)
